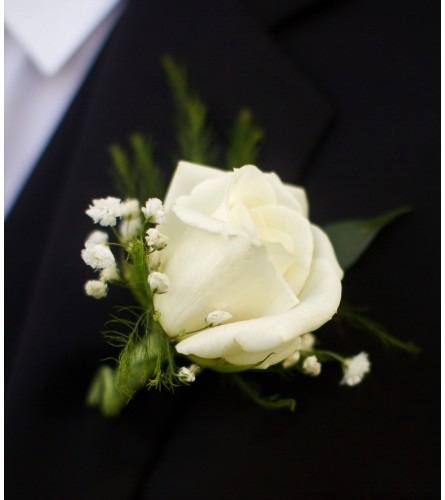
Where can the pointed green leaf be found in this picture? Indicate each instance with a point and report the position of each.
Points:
(104, 394)
(352, 237)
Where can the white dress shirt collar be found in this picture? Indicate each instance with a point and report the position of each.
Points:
(50, 45)
(51, 31)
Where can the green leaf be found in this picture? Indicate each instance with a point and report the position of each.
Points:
(104, 394)
(222, 366)
(244, 141)
(352, 237)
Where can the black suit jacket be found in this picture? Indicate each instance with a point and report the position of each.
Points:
(347, 94)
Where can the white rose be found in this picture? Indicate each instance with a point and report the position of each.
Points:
(241, 242)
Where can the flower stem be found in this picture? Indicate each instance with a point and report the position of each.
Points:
(270, 402)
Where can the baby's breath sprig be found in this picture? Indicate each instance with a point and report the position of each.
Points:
(146, 358)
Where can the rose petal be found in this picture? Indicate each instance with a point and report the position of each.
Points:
(193, 218)
(300, 195)
(213, 283)
(324, 249)
(208, 196)
(278, 354)
(186, 177)
(250, 187)
(319, 302)
(294, 198)
(282, 225)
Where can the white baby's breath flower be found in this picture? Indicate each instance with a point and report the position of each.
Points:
(311, 366)
(158, 282)
(96, 289)
(154, 260)
(187, 375)
(130, 208)
(98, 256)
(155, 240)
(96, 237)
(154, 210)
(307, 342)
(105, 211)
(216, 318)
(291, 360)
(355, 369)
(110, 273)
(129, 228)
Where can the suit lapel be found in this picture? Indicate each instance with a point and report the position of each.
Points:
(52, 331)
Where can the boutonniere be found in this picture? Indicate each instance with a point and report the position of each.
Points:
(227, 270)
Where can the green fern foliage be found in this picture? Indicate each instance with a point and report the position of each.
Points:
(357, 319)
(136, 173)
(244, 141)
(195, 138)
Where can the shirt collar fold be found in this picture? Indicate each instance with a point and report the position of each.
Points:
(51, 31)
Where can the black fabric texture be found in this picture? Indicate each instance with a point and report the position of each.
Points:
(348, 95)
